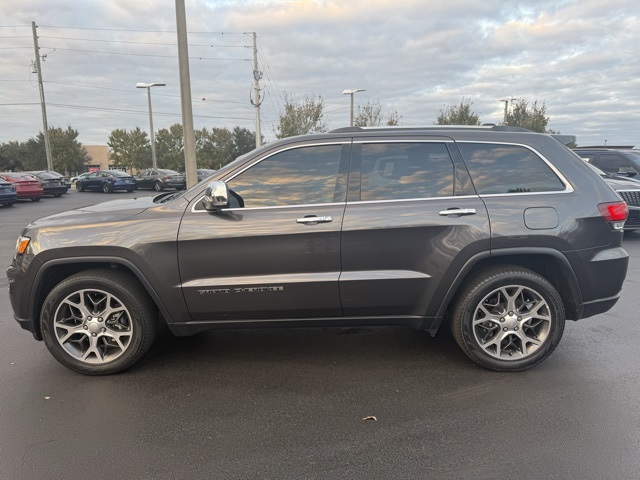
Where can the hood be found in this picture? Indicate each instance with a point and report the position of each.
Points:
(618, 183)
(102, 212)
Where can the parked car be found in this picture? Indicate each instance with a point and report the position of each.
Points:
(629, 190)
(82, 175)
(27, 185)
(503, 232)
(204, 173)
(161, 178)
(620, 161)
(8, 195)
(107, 181)
(53, 183)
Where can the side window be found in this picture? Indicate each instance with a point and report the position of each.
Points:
(508, 169)
(300, 176)
(391, 171)
(614, 164)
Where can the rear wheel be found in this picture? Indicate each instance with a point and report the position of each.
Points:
(35, 199)
(106, 187)
(57, 195)
(98, 322)
(8, 204)
(508, 318)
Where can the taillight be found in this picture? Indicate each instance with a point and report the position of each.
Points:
(615, 212)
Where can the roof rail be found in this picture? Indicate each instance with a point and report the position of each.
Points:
(489, 126)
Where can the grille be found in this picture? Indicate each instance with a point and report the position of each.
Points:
(632, 198)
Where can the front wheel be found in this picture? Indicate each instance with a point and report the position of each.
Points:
(98, 322)
(79, 187)
(508, 318)
(8, 204)
(106, 187)
(35, 199)
(158, 186)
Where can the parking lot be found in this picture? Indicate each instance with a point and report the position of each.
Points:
(320, 403)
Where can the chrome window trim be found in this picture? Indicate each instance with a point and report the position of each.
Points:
(280, 150)
(415, 199)
(405, 140)
(246, 209)
(567, 186)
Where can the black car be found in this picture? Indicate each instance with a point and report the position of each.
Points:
(499, 233)
(629, 190)
(107, 181)
(161, 178)
(619, 161)
(53, 183)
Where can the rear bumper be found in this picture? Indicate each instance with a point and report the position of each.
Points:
(600, 275)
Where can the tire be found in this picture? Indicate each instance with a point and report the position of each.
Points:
(79, 334)
(35, 199)
(8, 204)
(57, 195)
(106, 187)
(157, 186)
(79, 187)
(129, 190)
(507, 318)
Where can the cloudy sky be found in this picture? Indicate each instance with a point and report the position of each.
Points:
(581, 58)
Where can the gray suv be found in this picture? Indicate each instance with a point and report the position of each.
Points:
(501, 232)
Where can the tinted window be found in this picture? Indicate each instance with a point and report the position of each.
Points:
(300, 176)
(612, 163)
(508, 169)
(405, 170)
(118, 173)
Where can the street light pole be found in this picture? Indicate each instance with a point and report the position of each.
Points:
(351, 92)
(148, 86)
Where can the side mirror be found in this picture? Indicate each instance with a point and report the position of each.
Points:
(216, 196)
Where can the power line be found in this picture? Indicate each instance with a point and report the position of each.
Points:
(138, 31)
(139, 43)
(136, 112)
(145, 54)
(137, 92)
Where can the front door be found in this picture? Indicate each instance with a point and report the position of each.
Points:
(275, 252)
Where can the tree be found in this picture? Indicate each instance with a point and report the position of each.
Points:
(530, 117)
(67, 153)
(244, 141)
(370, 115)
(170, 147)
(300, 118)
(458, 114)
(130, 149)
(13, 156)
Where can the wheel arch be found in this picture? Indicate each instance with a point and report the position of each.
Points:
(547, 262)
(54, 271)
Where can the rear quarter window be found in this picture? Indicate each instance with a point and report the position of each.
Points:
(499, 169)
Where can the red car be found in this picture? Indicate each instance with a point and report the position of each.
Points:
(27, 186)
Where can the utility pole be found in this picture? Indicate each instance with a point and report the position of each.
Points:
(185, 96)
(257, 75)
(506, 108)
(43, 105)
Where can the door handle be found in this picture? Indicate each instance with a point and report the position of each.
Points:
(457, 212)
(314, 219)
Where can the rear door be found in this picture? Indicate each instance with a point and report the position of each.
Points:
(412, 220)
(275, 253)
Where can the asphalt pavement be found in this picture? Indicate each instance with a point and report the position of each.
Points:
(320, 403)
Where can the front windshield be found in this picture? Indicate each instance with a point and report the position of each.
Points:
(634, 157)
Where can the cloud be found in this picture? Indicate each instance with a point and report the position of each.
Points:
(579, 57)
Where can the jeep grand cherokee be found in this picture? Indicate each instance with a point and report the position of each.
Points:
(504, 232)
